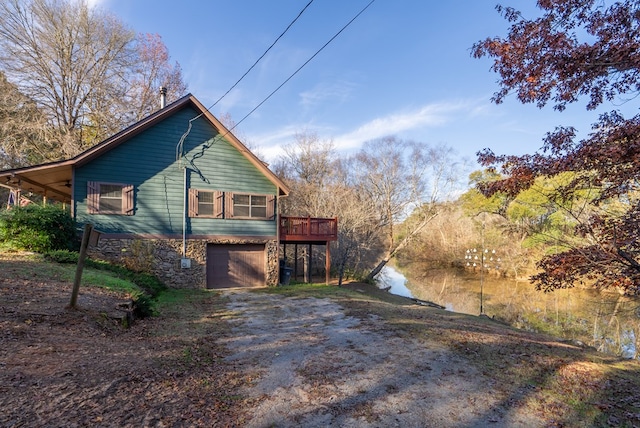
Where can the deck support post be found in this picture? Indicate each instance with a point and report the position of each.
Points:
(310, 231)
(327, 263)
(295, 262)
(307, 265)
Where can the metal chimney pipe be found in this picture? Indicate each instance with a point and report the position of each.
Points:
(163, 97)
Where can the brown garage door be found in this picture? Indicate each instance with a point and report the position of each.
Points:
(235, 266)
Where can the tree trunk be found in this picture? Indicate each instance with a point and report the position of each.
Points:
(394, 250)
(376, 270)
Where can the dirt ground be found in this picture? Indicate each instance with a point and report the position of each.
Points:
(317, 367)
(79, 368)
(247, 359)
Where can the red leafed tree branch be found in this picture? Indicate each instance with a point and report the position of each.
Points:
(577, 49)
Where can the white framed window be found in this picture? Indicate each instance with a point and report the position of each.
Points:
(249, 206)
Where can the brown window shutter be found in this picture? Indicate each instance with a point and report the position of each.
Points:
(228, 205)
(218, 204)
(271, 207)
(193, 202)
(93, 197)
(128, 195)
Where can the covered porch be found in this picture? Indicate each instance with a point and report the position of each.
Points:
(308, 231)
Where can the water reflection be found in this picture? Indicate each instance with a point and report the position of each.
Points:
(607, 321)
(393, 281)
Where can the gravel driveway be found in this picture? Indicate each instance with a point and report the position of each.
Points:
(314, 366)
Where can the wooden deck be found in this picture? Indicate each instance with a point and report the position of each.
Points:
(308, 230)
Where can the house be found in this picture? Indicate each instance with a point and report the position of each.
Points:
(177, 194)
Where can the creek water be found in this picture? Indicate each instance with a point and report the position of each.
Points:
(606, 321)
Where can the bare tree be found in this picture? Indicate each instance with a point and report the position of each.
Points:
(387, 181)
(320, 188)
(309, 164)
(22, 128)
(403, 178)
(359, 239)
(59, 53)
(78, 64)
(151, 71)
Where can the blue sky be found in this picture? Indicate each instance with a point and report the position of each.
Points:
(402, 68)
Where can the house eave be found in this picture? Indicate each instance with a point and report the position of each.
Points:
(55, 178)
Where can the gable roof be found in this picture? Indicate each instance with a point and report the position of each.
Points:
(54, 179)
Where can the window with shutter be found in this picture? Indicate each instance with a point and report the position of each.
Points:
(218, 207)
(93, 197)
(193, 202)
(110, 198)
(271, 207)
(128, 195)
(219, 204)
(206, 203)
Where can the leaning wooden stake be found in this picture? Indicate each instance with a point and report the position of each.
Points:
(83, 254)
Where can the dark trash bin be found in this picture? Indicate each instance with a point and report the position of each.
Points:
(285, 275)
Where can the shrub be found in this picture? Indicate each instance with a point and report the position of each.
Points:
(38, 228)
(62, 256)
(143, 306)
(149, 283)
(146, 281)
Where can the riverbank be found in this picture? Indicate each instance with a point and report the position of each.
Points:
(605, 320)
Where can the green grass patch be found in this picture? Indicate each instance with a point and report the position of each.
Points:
(145, 282)
(90, 276)
(310, 290)
(38, 267)
(173, 299)
(102, 279)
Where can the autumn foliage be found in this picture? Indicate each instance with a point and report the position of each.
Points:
(577, 50)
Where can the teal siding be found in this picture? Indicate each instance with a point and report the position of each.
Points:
(148, 161)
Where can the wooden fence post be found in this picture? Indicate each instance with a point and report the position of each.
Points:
(83, 254)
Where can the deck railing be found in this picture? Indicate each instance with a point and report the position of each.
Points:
(308, 229)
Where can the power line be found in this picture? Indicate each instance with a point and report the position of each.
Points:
(262, 56)
(303, 65)
(180, 143)
(184, 136)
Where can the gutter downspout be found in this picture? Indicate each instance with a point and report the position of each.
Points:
(278, 227)
(185, 200)
(278, 230)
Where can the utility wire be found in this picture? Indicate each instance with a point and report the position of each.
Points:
(262, 56)
(184, 136)
(303, 65)
(280, 86)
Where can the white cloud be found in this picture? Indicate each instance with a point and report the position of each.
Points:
(335, 91)
(270, 144)
(428, 116)
(409, 121)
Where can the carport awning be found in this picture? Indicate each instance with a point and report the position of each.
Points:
(51, 180)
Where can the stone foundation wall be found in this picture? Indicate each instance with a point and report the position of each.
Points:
(162, 257)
